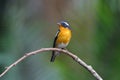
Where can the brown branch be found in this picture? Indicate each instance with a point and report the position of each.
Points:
(78, 60)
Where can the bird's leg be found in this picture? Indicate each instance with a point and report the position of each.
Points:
(64, 48)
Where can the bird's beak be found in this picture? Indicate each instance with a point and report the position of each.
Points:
(59, 24)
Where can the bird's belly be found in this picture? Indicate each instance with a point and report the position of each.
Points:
(62, 45)
(63, 38)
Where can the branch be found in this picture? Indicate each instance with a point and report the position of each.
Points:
(75, 58)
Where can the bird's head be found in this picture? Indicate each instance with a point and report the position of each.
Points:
(64, 24)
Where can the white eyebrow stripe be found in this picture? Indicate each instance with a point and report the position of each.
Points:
(66, 23)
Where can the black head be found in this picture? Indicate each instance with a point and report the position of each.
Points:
(64, 24)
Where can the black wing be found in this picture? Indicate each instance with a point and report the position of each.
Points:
(54, 45)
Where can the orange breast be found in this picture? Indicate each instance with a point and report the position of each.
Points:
(64, 36)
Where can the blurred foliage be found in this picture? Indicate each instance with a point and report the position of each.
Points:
(108, 39)
(29, 25)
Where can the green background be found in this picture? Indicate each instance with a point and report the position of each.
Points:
(28, 25)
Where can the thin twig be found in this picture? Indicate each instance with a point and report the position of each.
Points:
(78, 60)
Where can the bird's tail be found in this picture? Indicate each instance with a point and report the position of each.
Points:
(53, 57)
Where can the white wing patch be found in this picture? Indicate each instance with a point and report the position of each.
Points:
(57, 33)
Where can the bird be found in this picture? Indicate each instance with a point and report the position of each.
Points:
(62, 38)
